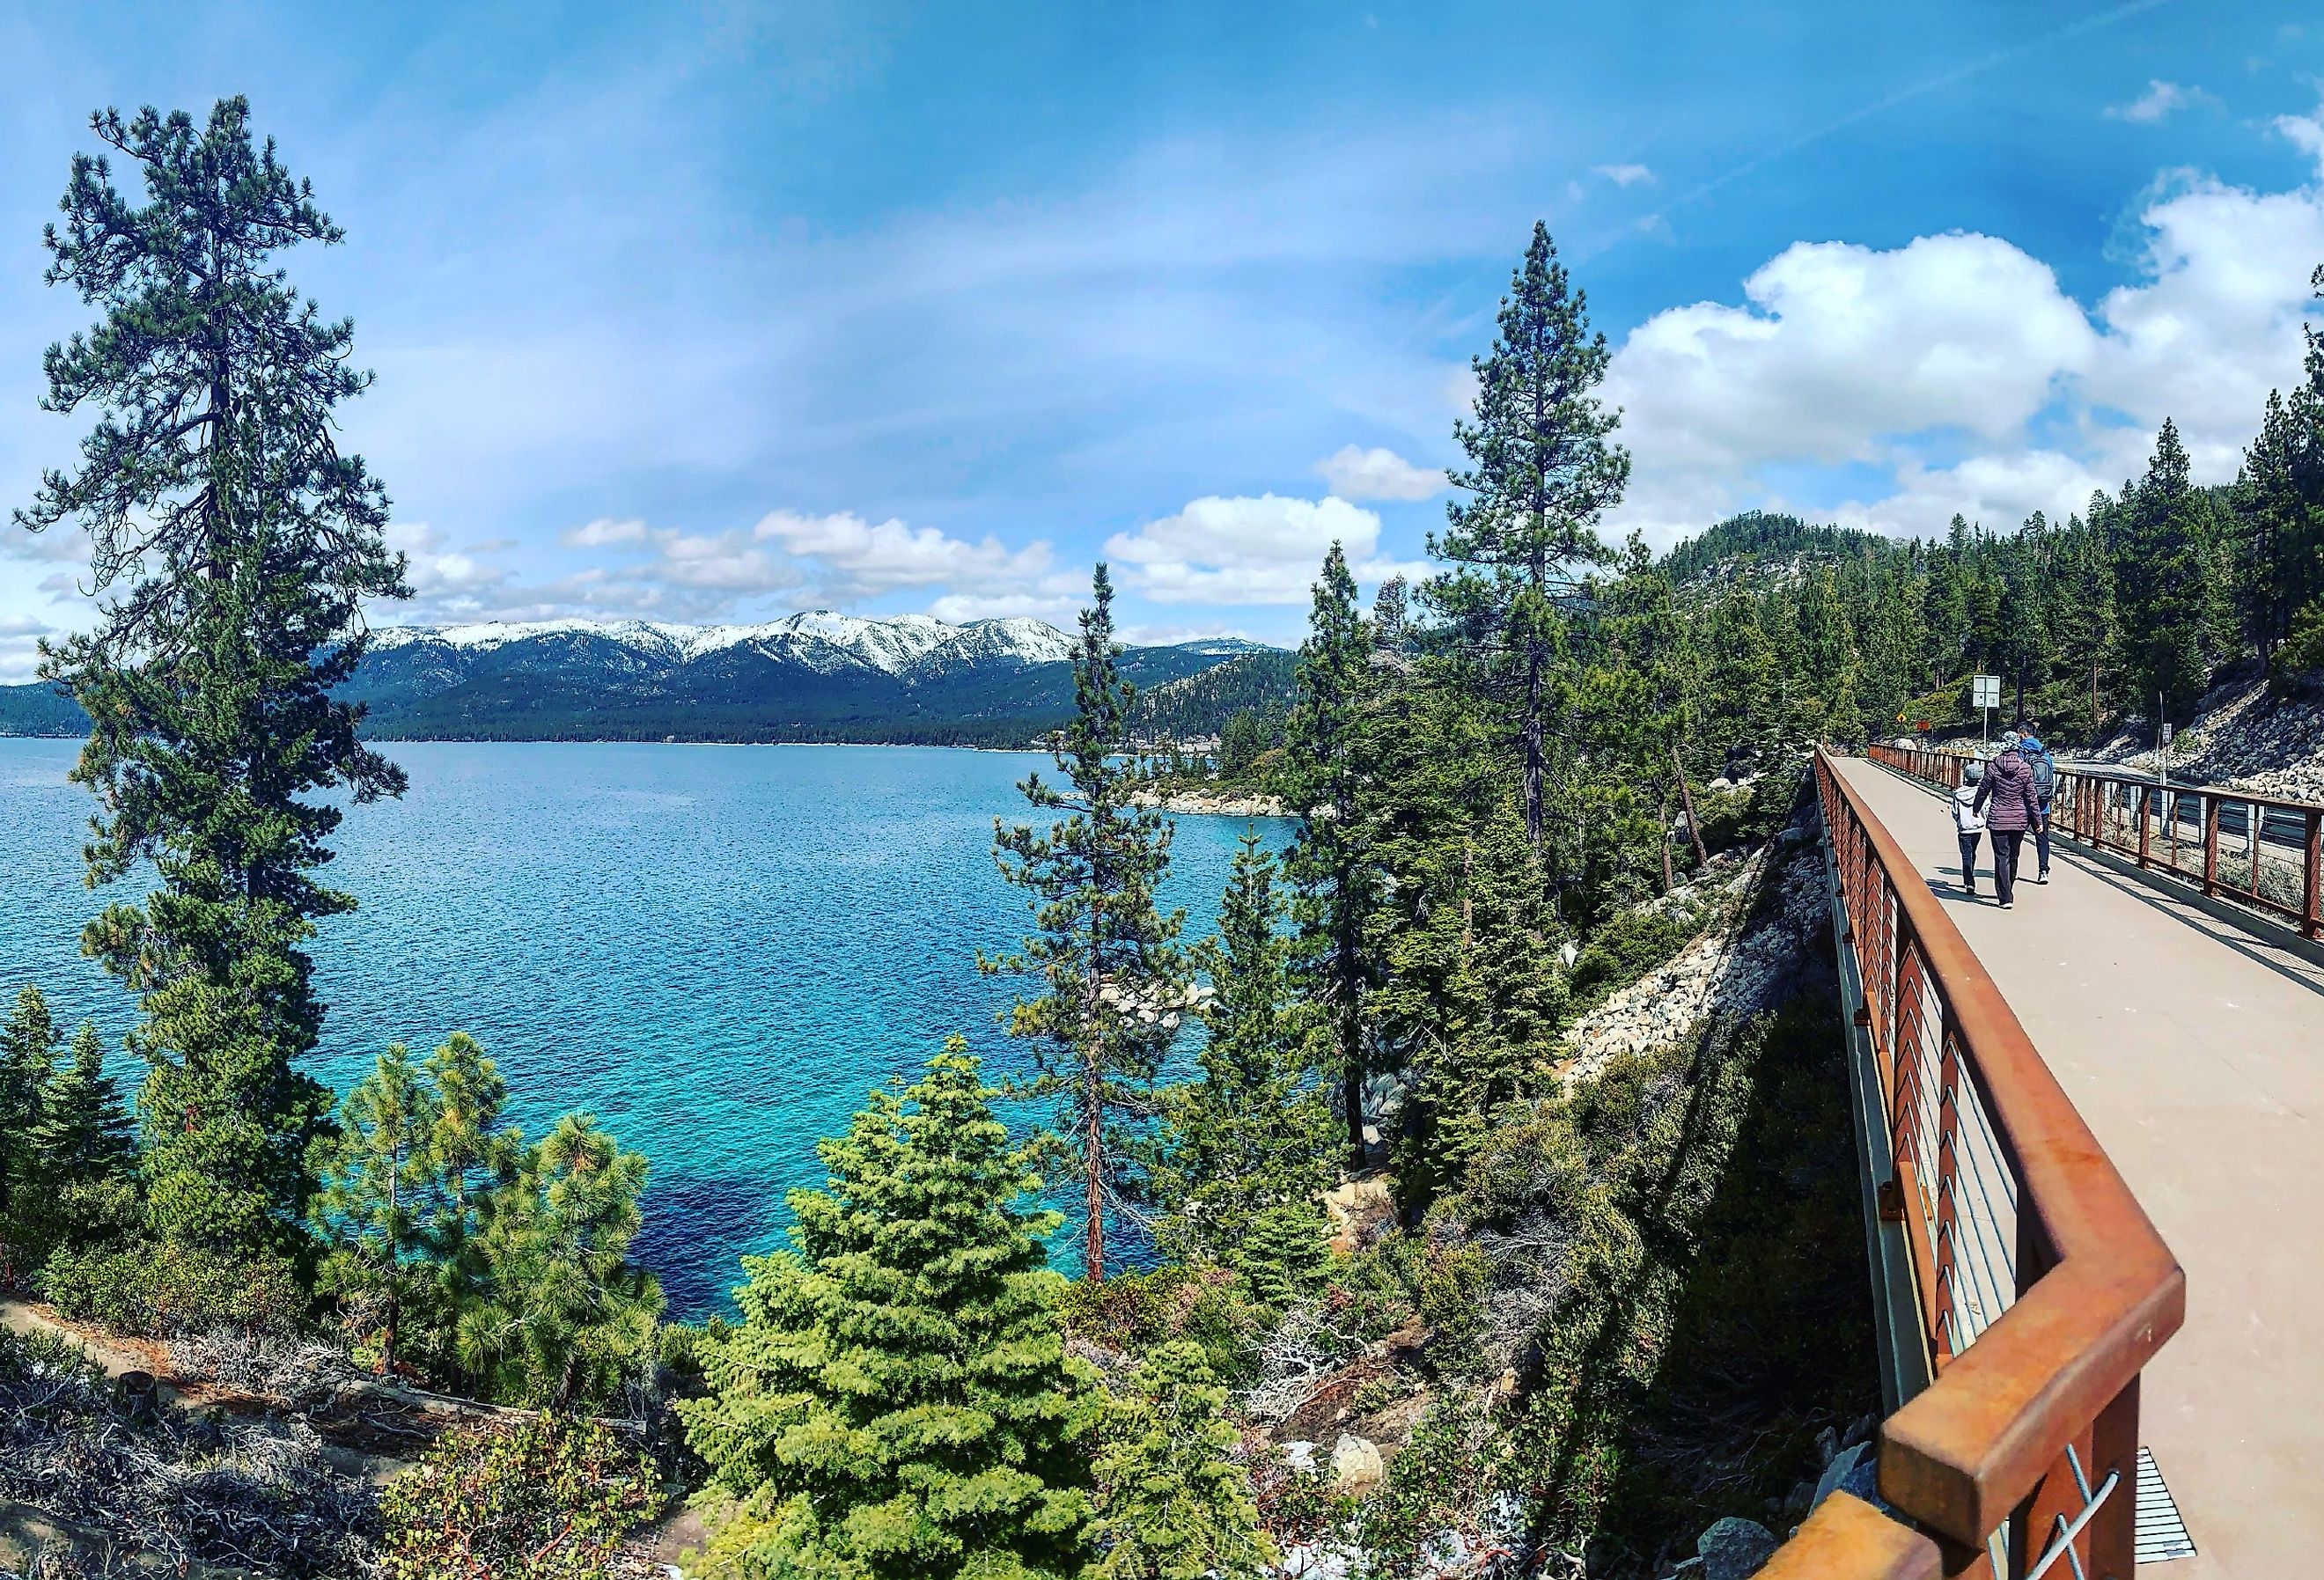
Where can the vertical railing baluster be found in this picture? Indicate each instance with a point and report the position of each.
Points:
(2145, 822)
(1942, 1246)
(2211, 844)
(2311, 913)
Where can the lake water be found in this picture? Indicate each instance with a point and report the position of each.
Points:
(715, 949)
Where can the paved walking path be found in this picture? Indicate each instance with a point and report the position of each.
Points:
(2196, 1053)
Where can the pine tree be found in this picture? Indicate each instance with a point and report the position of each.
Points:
(1114, 980)
(1330, 864)
(236, 545)
(1173, 1502)
(84, 1130)
(1542, 472)
(1256, 1130)
(1475, 983)
(2161, 581)
(379, 1184)
(897, 1401)
(28, 1051)
(569, 1317)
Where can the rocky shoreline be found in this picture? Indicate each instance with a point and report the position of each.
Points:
(1206, 804)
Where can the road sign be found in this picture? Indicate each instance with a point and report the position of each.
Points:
(1984, 691)
(2166, 735)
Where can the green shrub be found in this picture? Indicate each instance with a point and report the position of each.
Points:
(161, 1289)
(1137, 1312)
(1625, 949)
(546, 1501)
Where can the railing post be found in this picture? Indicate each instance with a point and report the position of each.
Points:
(2314, 876)
(2251, 844)
(2211, 845)
(2145, 821)
(2114, 1451)
(1941, 1248)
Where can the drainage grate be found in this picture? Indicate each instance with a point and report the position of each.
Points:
(2161, 1534)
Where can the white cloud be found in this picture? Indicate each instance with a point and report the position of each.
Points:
(1625, 175)
(2159, 100)
(20, 658)
(1246, 551)
(602, 531)
(1956, 369)
(1377, 473)
(863, 560)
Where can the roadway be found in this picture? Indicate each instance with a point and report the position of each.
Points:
(2195, 1052)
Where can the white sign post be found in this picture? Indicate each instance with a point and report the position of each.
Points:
(1985, 692)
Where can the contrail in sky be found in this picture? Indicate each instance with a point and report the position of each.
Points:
(1959, 73)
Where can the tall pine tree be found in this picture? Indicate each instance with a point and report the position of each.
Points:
(1542, 471)
(1256, 1131)
(1330, 863)
(235, 543)
(379, 1184)
(1112, 979)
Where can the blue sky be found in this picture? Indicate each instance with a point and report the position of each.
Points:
(717, 312)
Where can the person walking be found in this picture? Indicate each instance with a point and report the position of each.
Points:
(2044, 768)
(1968, 824)
(2006, 798)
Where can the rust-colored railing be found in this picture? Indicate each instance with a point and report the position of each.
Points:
(2043, 1290)
(2260, 852)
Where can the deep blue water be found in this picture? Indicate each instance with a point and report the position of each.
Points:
(715, 949)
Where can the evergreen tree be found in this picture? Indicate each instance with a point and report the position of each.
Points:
(466, 1149)
(1112, 977)
(1330, 864)
(236, 545)
(1475, 981)
(1173, 1502)
(2161, 582)
(28, 1051)
(379, 1182)
(1256, 1130)
(568, 1316)
(897, 1401)
(1542, 472)
(84, 1129)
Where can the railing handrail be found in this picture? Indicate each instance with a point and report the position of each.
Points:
(2072, 769)
(1963, 1454)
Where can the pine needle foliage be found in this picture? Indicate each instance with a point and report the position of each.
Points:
(1112, 978)
(897, 1401)
(233, 544)
(1173, 1503)
(1542, 472)
(1257, 1131)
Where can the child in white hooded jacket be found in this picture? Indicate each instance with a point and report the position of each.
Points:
(1969, 823)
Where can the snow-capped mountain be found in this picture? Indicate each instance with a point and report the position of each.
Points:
(902, 645)
(814, 676)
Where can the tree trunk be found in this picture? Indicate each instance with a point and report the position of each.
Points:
(387, 1337)
(1693, 823)
(1092, 1161)
(1663, 820)
(1349, 1013)
(1533, 752)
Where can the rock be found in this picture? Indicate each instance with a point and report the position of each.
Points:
(1357, 1467)
(1734, 1550)
(1843, 1465)
(1362, 1211)
(1827, 1445)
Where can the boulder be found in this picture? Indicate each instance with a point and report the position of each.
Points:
(1734, 1550)
(1357, 1467)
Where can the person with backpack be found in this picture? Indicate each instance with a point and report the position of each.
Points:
(1968, 824)
(2046, 785)
(2005, 797)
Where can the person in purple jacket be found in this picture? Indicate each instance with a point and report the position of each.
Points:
(2007, 798)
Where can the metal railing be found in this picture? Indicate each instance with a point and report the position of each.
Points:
(2262, 852)
(2042, 1289)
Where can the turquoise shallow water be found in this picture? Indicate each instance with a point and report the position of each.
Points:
(717, 949)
